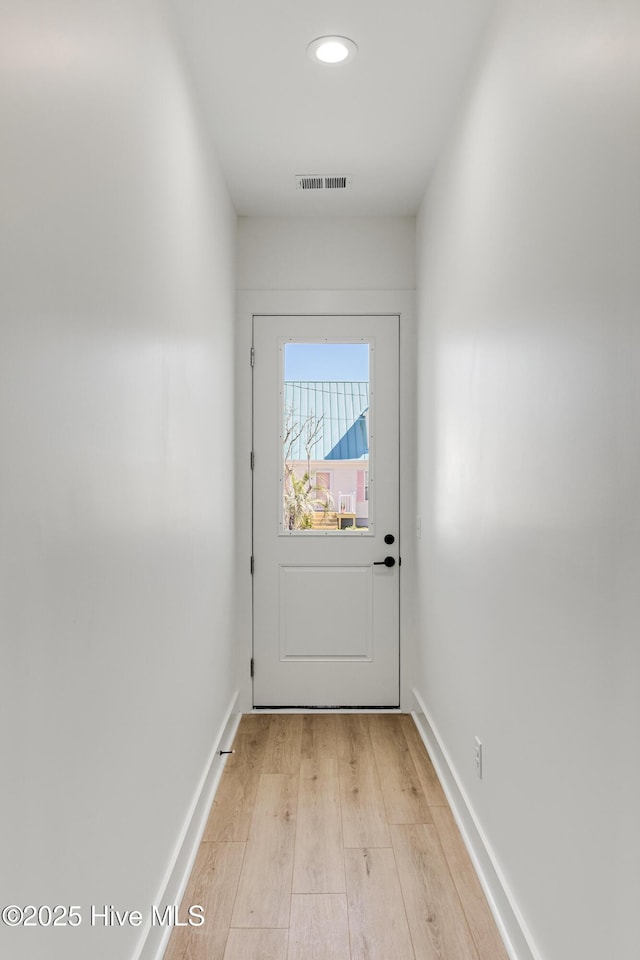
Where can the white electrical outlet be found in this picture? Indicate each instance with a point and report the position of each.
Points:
(479, 758)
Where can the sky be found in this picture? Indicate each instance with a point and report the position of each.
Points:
(326, 361)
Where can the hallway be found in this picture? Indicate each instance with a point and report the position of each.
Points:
(151, 215)
(330, 839)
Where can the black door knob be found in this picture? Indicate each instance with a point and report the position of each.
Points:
(389, 538)
(387, 562)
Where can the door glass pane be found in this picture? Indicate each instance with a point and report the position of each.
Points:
(325, 438)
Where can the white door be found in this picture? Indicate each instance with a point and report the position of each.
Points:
(326, 511)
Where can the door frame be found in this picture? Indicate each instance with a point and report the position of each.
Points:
(252, 303)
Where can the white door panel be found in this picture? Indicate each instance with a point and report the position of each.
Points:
(326, 617)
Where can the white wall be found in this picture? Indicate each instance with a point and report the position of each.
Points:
(326, 253)
(529, 465)
(322, 265)
(116, 419)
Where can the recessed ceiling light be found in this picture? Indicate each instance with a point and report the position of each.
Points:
(332, 49)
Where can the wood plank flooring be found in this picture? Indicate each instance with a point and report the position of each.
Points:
(330, 839)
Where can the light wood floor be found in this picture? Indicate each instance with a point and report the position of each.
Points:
(330, 839)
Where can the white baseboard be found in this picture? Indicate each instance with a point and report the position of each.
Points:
(517, 939)
(154, 939)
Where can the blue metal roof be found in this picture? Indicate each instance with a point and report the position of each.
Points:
(342, 406)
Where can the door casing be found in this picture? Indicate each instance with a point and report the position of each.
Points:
(259, 302)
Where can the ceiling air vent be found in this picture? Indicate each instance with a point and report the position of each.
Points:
(315, 182)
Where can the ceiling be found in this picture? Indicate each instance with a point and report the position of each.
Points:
(381, 118)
